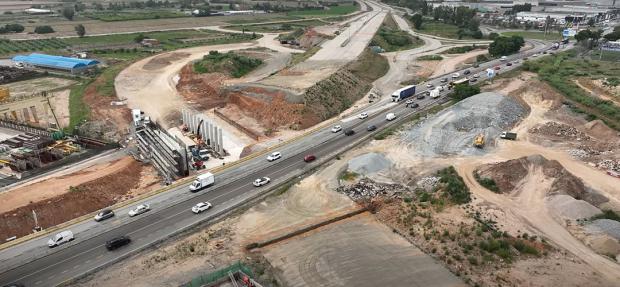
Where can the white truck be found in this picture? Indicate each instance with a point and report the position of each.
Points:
(390, 116)
(435, 93)
(202, 181)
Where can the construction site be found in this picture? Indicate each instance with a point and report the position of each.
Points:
(514, 185)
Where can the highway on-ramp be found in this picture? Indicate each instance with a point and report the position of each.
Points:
(171, 210)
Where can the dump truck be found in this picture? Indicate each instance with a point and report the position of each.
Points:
(479, 141)
(508, 135)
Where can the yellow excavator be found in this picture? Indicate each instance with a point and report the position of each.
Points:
(479, 141)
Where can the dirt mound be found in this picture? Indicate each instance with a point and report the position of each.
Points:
(601, 131)
(164, 60)
(509, 174)
(560, 131)
(202, 90)
(108, 121)
(81, 199)
(453, 130)
(272, 110)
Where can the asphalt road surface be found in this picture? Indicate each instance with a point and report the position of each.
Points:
(50, 267)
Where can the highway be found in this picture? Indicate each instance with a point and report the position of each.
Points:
(171, 210)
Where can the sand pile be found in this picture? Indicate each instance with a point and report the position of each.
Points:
(567, 207)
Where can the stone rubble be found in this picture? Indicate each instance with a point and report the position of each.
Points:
(367, 188)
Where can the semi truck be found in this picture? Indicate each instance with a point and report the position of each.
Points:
(202, 181)
(508, 135)
(403, 93)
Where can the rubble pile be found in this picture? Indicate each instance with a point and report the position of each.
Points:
(366, 189)
(427, 183)
(609, 164)
(560, 130)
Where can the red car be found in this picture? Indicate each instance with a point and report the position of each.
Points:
(309, 158)
(497, 67)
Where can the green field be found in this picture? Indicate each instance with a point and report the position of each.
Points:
(128, 16)
(273, 18)
(332, 11)
(390, 38)
(534, 35)
(8, 47)
(277, 27)
(439, 29)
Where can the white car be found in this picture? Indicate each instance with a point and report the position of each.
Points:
(274, 155)
(455, 75)
(477, 76)
(336, 129)
(261, 181)
(200, 207)
(429, 85)
(142, 208)
(60, 238)
(363, 115)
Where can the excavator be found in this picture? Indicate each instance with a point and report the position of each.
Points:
(479, 141)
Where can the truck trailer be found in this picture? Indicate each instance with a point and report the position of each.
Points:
(508, 135)
(202, 181)
(403, 93)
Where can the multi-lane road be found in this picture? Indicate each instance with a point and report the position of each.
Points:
(32, 263)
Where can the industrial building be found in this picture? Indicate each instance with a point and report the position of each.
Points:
(55, 63)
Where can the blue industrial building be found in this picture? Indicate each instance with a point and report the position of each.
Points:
(51, 62)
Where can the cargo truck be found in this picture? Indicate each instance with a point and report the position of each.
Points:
(403, 93)
(435, 93)
(508, 135)
(202, 181)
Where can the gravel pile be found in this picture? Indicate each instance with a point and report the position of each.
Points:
(366, 189)
(369, 164)
(560, 130)
(609, 164)
(452, 131)
(607, 226)
(567, 207)
(578, 153)
(427, 183)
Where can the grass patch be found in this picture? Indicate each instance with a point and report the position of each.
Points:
(610, 56)
(79, 112)
(488, 183)
(385, 133)
(558, 71)
(227, 63)
(105, 85)
(440, 29)
(300, 57)
(453, 186)
(607, 214)
(369, 66)
(534, 35)
(430, 58)
(390, 38)
(128, 16)
(332, 11)
(348, 175)
(463, 49)
(8, 47)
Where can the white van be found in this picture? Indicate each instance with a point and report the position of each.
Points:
(202, 181)
(390, 116)
(60, 238)
(503, 58)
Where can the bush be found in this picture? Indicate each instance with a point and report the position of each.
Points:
(488, 183)
(464, 90)
(502, 46)
(454, 186)
(43, 29)
(430, 58)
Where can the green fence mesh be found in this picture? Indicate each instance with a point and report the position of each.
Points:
(216, 275)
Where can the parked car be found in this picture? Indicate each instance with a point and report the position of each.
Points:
(117, 242)
(104, 214)
(349, 132)
(60, 238)
(466, 72)
(142, 208)
(414, 105)
(261, 181)
(336, 129)
(309, 158)
(371, 128)
(274, 156)
(363, 116)
(201, 206)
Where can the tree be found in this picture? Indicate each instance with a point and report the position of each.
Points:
(43, 29)
(493, 35)
(80, 30)
(502, 46)
(417, 20)
(464, 90)
(591, 22)
(139, 38)
(15, 28)
(68, 12)
(613, 36)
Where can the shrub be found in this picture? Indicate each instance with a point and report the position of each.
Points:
(488, 183)
(43, 29)
(454, 186)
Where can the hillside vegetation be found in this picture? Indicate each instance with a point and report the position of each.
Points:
(227, 63)
(390, 38)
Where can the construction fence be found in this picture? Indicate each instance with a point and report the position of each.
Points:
(227, 274)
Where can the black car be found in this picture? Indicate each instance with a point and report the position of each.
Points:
(473, 80)
(414, 105)
(117, 242)
(371, 128)
(420, 96)
(349, 132)
(104, 214)
(508, 64)
(466, 72)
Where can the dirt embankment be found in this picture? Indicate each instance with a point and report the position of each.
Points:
(81, 199)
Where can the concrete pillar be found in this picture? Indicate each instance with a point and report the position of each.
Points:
(26, 115)
(221, 142)
(33, 111)
(215, 137)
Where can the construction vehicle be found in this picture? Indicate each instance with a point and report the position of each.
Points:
(508, 135)
(479, 141)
